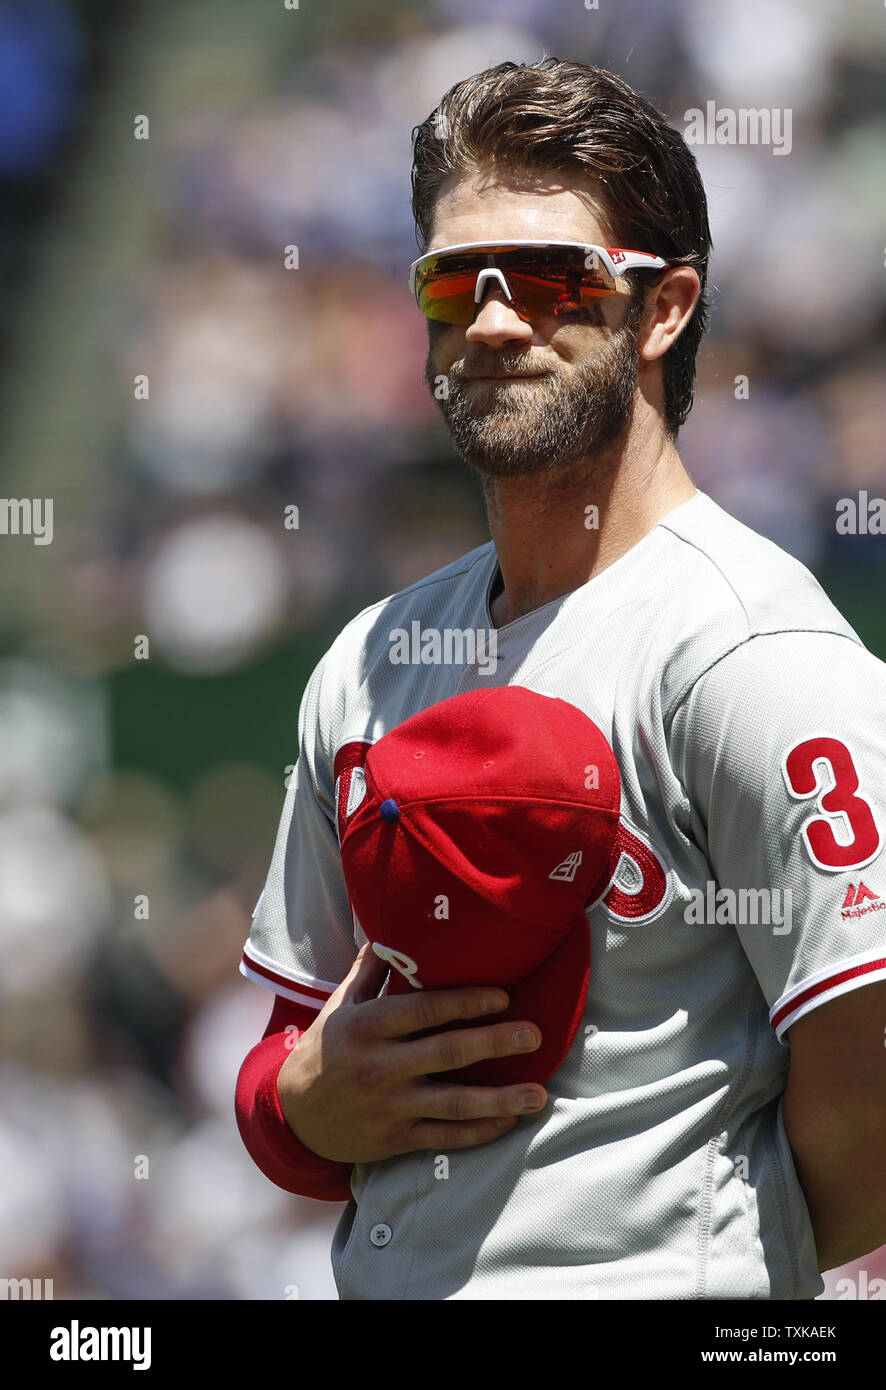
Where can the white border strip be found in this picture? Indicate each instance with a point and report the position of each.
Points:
(821, 977)
(297, 977)
(308, 1000)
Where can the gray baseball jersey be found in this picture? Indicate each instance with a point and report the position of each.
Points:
(748, 722)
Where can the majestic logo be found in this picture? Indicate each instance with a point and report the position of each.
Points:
(860, 900)
(565, 872)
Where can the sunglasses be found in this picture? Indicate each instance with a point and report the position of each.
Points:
(539, 278)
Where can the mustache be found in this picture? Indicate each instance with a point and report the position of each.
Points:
(497, 366)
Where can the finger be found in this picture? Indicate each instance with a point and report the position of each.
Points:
(470, 1103)
(440, 1137)
(363, 981)
(461, 1046)
(398, 1015)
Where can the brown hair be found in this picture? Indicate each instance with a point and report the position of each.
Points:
(557, 115)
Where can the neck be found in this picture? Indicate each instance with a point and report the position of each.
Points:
(548, 539)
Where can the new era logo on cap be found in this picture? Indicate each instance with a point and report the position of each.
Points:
(567, 870)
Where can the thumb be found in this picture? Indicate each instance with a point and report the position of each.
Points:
(364, 980)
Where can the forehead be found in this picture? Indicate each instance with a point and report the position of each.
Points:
(497, 206)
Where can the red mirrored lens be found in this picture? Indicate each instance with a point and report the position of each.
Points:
(542, 281)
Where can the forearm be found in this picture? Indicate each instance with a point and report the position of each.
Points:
(271, 1144)
(839, 1161)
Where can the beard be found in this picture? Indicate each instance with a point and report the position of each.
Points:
(514, 428)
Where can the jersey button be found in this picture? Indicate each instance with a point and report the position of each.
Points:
(381, 1234)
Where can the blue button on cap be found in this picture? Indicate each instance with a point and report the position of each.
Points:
(389, 810)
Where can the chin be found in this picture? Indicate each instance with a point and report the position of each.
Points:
(495, 463)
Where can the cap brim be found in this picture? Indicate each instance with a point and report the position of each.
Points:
(552, 997)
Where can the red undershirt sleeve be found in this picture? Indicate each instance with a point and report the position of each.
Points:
(268, 1139)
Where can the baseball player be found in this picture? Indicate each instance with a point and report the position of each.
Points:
(689, 738)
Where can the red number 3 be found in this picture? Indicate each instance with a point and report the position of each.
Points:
(838, 804)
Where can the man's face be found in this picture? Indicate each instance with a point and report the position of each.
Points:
(584, 364)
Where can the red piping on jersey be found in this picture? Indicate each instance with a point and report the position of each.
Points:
(268, 1139)
(276, 978)
(824, 985)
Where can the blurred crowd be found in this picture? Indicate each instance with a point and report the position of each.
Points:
(286, 468)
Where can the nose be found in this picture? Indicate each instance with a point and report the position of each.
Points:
(496, 324)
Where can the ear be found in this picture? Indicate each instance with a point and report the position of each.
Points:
(669, 305)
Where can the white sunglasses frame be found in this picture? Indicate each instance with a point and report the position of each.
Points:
(614, 259)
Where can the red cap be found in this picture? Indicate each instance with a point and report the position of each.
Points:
(488, 825)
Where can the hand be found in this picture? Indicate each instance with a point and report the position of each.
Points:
(357, 1088)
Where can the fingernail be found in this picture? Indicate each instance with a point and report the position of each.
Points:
(530, 1100)
(524, 1037)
